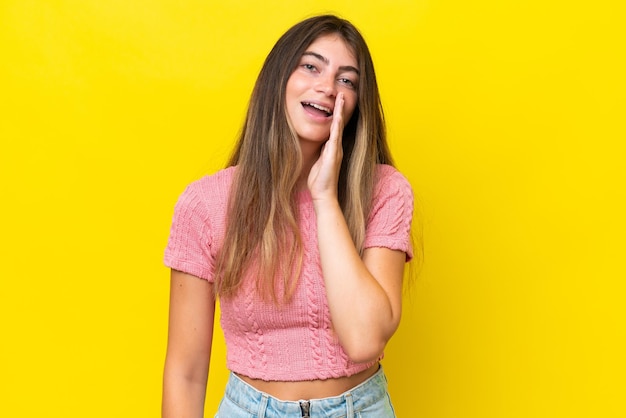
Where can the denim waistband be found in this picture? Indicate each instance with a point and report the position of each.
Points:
(256, 402)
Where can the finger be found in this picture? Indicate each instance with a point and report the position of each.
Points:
(337, 125)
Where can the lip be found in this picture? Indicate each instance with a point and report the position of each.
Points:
(330, 106)
(315, 115)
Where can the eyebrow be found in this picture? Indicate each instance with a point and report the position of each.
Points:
(322, 58)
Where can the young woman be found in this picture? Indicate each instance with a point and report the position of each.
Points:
(304, 238)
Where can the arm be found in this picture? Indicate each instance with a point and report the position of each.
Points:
(364, 294)
(192, 308)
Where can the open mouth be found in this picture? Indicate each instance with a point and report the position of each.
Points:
(318, 109)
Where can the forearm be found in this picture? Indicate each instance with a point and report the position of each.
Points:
(361, 310)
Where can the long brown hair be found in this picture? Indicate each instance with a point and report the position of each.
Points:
(262, 235)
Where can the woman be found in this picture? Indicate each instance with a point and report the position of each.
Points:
(303, 237)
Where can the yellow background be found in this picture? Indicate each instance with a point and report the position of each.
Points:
(506, 116)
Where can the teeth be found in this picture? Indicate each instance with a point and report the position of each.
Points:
(322, 108)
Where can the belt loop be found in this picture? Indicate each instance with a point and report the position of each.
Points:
(349, 405)
(262, 406)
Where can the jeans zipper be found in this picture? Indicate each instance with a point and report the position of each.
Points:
(304, 408)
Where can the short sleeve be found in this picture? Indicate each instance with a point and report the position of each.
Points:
(189, 245)
(389, 222)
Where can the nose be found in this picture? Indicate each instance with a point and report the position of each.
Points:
(326, 84)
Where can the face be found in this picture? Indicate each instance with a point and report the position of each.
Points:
(327, 67)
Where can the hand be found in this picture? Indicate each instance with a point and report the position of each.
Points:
(324, 175)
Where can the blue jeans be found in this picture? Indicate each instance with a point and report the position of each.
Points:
(370, 399)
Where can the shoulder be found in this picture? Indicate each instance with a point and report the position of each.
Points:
(211, 189)
(391, 213)
(201, 208)
(198, 224)
(389, 180)
(392, 196)
(206, 198)
(213, 185)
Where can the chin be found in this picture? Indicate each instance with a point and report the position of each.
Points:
(315, 136)
(320, 140)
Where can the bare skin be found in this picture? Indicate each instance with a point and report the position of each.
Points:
(310, 389)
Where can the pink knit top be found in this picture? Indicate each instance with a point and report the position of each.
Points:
(294, 341)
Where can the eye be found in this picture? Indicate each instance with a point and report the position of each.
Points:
(348, 82)
(309, 67)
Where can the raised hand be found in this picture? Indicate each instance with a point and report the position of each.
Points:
(324, 175)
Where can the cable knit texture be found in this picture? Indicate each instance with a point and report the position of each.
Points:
(294, 341)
